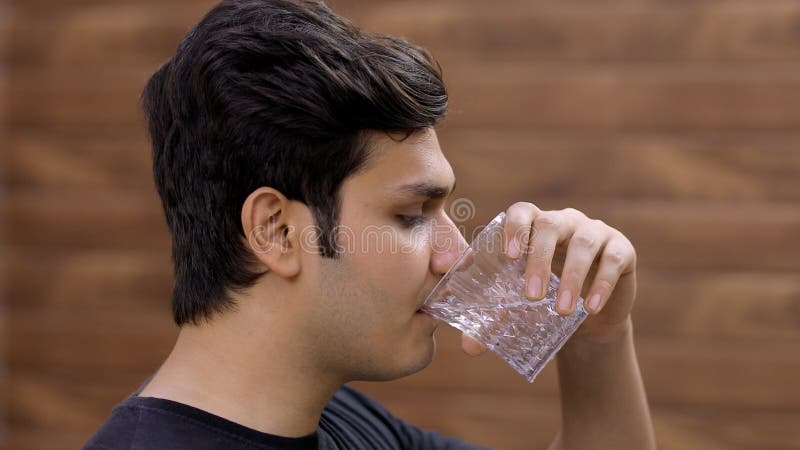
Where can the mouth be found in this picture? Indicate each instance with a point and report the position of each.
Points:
(421, 310)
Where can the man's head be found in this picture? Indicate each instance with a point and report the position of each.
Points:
(275, 117)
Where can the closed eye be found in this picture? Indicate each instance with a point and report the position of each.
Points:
(411, 221)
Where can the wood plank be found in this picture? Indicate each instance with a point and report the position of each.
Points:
(105, 100)
(77, 331)
(566, 31)
(667, 235)
(63, 161)
(112, 35)
(756, 373)
(49, 398)
(504, 95)
(675, 429)
(718, 305)
(686, 427)
(730, 166)
(42, 5)
(103, 34)
(504, 420)
(138, 281)
(46, 7)
(744, 372)
(99, 340)
(674, 121)
(671, 235)
(467, 412)
(716, 236)
(498, 421)
(117, 220)
(632, 98)
(20, 438)
(520, 421)
(671, 303)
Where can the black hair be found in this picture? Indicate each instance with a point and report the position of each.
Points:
(273, 93)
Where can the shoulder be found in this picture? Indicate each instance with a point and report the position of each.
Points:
(155, 423)
(144, 422)
(355, 420)
(118, 430)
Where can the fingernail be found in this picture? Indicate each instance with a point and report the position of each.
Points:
(565, 301)
(534, 287)
(594, 302)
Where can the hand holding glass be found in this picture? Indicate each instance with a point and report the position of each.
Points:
(483, 295)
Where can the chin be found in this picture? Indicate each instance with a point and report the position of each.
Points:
(412, 363)
(422, 358)
(427, 357)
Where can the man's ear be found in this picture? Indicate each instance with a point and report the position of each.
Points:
(271, 229)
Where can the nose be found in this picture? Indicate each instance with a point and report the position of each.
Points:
(447, 244)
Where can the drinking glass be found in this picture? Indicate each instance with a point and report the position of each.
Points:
(483, 295)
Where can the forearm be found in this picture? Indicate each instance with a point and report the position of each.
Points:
(603, 402)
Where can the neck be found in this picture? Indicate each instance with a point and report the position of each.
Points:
(265, 382)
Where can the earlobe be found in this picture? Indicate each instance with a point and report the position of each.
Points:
(268, 222)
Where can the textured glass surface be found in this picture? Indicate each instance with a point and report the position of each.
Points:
(483, 295)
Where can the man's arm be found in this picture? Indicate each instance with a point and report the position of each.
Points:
(603, 402)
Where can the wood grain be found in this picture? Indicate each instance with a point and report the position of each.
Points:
(598, 166)
(546, 31)
(667, 235)
(675, 121)
(572, 31)
(504, 95)
(708, 166)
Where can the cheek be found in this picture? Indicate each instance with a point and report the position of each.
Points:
(407, 264)
(399, 268)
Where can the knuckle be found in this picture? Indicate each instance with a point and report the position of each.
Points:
(604, 285)
(615, 257)
(523, 206)
(584, 238)
(539, 254)
(573, 212)
(548, 220)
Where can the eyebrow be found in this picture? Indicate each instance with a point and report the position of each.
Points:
(425, 189)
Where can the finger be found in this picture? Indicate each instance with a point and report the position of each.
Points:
(617, 256)
(549, 228)
(517, 227)
(582, 249)
(471, 346)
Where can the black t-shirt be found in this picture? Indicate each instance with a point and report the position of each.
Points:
(350, 421)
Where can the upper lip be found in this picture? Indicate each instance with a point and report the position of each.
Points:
(427, 294)
(422, 303)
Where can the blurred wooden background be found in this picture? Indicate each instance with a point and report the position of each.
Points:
(677, 122)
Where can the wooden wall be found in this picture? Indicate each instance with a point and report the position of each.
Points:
(676, 121)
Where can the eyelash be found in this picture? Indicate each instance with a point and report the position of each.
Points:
(412, 221)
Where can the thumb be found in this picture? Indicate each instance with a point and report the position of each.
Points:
(471, 346)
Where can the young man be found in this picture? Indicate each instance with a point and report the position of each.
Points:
(282, 136)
